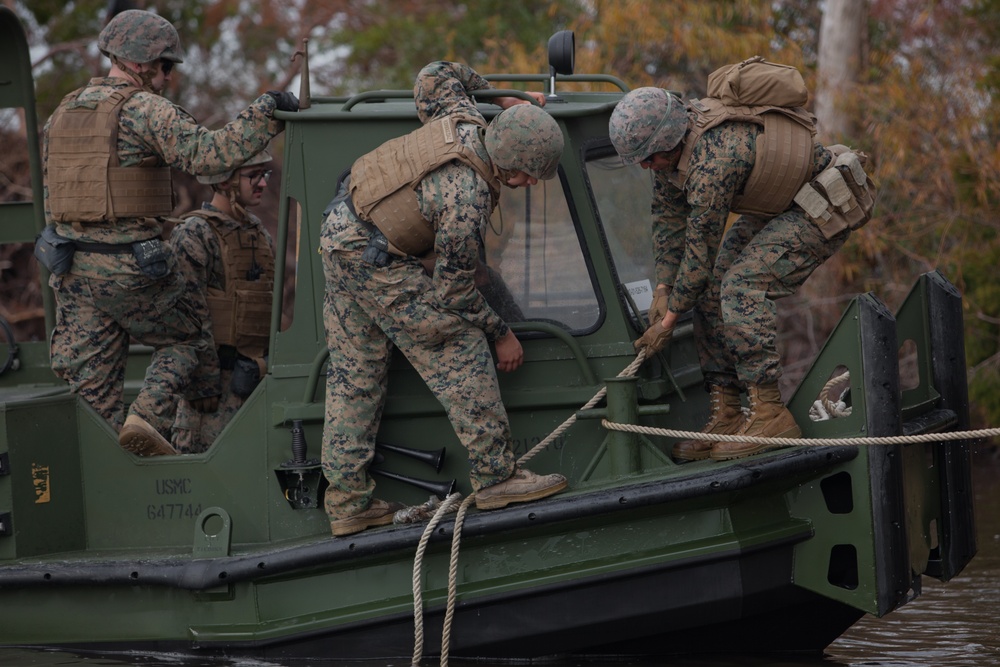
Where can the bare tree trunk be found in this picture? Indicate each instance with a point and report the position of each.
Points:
(842, 46)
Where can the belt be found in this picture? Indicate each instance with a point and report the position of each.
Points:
(103, 248)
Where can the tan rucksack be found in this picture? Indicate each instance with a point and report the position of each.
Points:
(770, 95)
(757, 82)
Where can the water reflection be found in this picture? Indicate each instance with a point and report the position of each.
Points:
(949, 625)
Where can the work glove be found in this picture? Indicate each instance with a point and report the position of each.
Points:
(284, 100)
(654, 340)
(659, 306)
(206, 404)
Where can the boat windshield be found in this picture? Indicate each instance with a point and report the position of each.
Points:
(623, 196)
(535, 268)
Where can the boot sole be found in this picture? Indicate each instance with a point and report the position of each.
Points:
(355, 525)
(507, 499)
(691, 456)
(757, 449)
(141, 444)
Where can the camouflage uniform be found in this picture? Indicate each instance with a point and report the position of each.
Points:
(731, 287)
(105, 299)
(199, 255)
(440, 323)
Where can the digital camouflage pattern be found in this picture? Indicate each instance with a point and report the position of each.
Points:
(760, 259)
(525, 138)
(105, 298)
(199, 257)
(368, 311)
(140, 37)
(95, 319)
(646, 121)
(440, 322)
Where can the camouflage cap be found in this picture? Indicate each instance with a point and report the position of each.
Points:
(525, 138)
(262, 157)
(647, 121)
(140, 37)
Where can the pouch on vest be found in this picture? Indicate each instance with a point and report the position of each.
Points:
(246, 377)
(842, 196)
(54, 252)
(151, 256)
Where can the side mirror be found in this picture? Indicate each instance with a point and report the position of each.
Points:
(562, 54)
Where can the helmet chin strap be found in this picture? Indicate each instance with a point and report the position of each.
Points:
(239, 211)
(503, 175)
(143, 78)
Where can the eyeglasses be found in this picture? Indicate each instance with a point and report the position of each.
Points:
(648, 159)
(167, 66)
(257, 176)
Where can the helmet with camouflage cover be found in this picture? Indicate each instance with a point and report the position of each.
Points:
(525, 138)
(140, 37)
(262, 157)
(647, 121)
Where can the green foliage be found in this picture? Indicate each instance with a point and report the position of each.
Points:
(391, 40)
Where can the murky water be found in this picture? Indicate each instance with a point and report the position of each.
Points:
(949, 625)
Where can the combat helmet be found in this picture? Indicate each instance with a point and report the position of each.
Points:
(525, 138)
(262, 157)
(140, 37)
(647, 121)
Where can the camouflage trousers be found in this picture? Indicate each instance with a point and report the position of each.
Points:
(761, 259)
(95, 320)
(194, 431)
(368, 311)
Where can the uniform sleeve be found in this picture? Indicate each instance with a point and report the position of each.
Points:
(457, 202)
(173, 134)
(670, 213)
(720, 164)
(444, 88)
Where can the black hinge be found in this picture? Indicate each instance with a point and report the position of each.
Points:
(5, 527)
(4, 464)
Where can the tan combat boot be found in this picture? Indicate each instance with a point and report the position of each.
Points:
(769, 418)
(520, 487)
(379, 513)
(726, 418)
(139, 437)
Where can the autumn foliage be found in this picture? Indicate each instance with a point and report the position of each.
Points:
(924, 108)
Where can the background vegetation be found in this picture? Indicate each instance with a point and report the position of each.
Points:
(922, 105)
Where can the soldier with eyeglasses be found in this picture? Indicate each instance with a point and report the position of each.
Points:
(108, 149)
(226, 255)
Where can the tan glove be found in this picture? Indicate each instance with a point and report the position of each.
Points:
(654, 340)
(206, 404)
(659, 306)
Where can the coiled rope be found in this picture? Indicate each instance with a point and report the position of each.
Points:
(630, 370)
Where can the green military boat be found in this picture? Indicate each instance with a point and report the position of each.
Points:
(229, 552)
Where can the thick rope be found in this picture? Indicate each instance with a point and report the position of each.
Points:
(449, 613)
(418, 562)
(418, 619)
(816, 442)
(628, 371)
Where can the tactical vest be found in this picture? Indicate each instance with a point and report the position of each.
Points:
(383, 181)
(784, 159)
(241, 311)
(84, 179)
